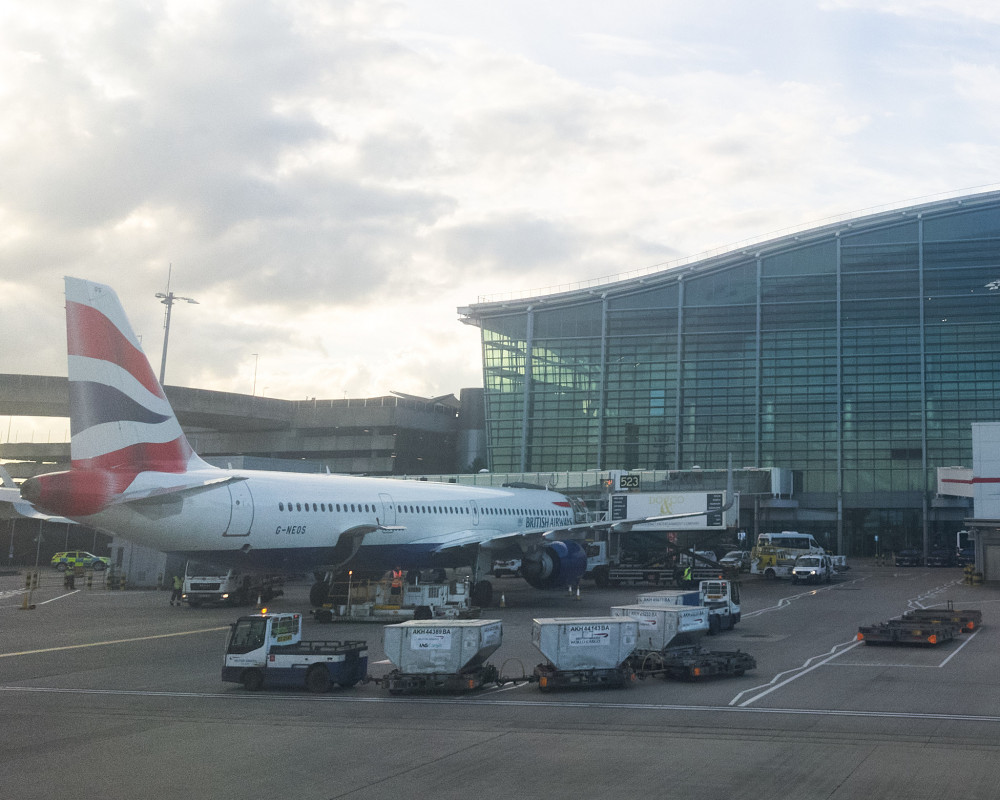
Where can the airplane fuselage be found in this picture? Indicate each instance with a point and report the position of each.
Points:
(288, 521)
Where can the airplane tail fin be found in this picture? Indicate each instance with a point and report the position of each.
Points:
(121, 424)
(120, 418)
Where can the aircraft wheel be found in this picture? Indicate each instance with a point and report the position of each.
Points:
(601, 577)
(482, 594)
(318, 593)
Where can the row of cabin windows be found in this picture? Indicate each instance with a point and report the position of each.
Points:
(405, 509)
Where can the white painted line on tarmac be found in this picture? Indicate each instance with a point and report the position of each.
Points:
(784, 602)
(112, 641)
(834, 653)
(958, 649)
(776, 683)
(892, 665)
(521, 703)
(60, 597)
(919, 602)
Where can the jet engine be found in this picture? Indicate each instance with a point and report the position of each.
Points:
(555, 565)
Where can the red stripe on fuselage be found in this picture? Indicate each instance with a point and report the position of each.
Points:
(92, 335)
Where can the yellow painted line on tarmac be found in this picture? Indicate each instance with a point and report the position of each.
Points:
(113, 641)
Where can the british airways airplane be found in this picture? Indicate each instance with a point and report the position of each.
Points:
(134, 474)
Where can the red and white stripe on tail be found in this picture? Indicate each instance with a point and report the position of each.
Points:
(121, 423)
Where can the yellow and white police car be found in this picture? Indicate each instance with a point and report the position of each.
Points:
(79, 558)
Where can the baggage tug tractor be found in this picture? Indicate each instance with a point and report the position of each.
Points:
(267, 650)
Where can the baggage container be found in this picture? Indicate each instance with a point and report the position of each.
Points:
(670, 597)
(426, 647)
(585, 643)
(661, 625)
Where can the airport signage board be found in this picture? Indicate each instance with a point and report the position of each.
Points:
(636, 505)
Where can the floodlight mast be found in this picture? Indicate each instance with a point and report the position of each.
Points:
(168, 299)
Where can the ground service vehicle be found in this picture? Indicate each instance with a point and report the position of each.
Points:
(721, 598)
(645, 557)
(813, 569)
(736, 561)
(267, 650)
(396, 600)
(206, 586)
(941, 557)
(509, 566)
(775, 553)
(79, 558)
(909, 558)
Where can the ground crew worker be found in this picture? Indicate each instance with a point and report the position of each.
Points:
(687, 575)
(176, 593)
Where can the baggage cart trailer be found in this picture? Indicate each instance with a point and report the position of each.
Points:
(967, 620)
(691, 663)
(902, 631)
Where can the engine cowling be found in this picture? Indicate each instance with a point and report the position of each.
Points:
(555, 566)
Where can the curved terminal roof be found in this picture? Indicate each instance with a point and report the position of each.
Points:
(738, 254)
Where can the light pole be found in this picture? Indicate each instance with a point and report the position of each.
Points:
(168, 299)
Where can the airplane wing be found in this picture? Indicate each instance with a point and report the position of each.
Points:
(495, 539)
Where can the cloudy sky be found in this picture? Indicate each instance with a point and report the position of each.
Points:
(331, 180)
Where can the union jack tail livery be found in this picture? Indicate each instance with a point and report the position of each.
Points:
(119, 417)
(121, 423)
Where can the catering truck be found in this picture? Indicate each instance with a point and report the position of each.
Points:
(267, 650)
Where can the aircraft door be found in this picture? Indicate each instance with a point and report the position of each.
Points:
(475, 512)
(388, 510)
(241, 516)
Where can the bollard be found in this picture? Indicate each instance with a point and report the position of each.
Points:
(503, 601)
(34, 579)
(90, 580)
(121, 583)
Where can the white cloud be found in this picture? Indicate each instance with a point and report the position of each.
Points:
(331, 181)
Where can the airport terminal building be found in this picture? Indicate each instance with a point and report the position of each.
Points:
(856, 354)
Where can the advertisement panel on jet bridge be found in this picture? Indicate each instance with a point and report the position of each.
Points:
(637, 505)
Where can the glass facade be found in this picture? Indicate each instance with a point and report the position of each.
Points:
(856, 354)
